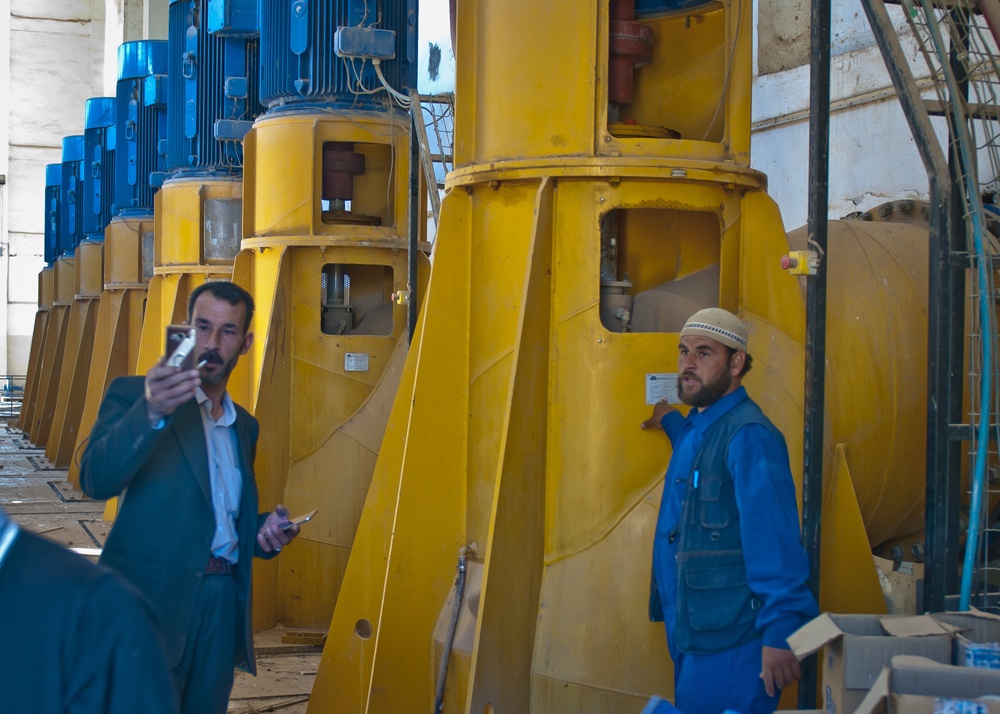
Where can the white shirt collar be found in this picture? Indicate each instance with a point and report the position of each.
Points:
(228, 417)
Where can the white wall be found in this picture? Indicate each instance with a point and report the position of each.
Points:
(54, 56)
(873, 157)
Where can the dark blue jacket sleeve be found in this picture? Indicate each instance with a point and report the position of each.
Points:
(121, 441)
(776, 563)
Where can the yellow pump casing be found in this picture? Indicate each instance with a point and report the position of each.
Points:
(78, 347)
(128, 266)
(197, 229)
(516, 428)
(32, 386)
(46, 296)
(53, 351)
(322, 412)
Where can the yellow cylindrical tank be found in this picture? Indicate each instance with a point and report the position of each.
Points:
(876, 393)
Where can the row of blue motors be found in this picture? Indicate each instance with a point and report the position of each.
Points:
(228, 62)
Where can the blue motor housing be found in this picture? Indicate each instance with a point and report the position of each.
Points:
(53, 204)
(98, 166)
(233, 18)
(71, 196)
(140, 124)
(654, 7)
(213, 92)
(299, 66)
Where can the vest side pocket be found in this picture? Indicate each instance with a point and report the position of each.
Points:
(716, 608)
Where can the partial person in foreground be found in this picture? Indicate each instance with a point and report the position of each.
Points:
(180, 453)
(730, 576)
(76, 637)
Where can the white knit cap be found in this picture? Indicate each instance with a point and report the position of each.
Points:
(719, 325)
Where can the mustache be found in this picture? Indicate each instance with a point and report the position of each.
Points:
(211, 357)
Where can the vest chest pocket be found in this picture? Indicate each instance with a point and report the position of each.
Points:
(713, 511)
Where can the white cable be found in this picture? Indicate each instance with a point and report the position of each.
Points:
(402, 99)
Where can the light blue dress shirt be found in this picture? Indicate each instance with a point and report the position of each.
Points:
(224, 474)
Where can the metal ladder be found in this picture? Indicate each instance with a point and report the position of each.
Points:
(437, 112)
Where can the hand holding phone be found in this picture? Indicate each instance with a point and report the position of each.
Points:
(181, 341)
(298, 521)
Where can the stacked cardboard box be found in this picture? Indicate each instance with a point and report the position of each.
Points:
(916, 685)
(857, 648)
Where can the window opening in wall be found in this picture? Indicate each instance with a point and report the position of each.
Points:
(148, 259)
(668, 72)
(222, 229)
(356, 299)
(657, 267)
(357, 183)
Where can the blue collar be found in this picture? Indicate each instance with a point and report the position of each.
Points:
(703, 419)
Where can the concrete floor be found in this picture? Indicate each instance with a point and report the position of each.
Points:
(38, 498)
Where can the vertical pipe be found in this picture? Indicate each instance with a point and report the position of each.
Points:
(416, 205)
(812, 453)
(415, 213)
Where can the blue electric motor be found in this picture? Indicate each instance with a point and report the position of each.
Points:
(299, 44)
(213, 94)
(98, 166)
(645, 8)
(53, 204)
(71, 196)
(140, 125)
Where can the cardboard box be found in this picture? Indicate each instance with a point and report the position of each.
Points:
(857, 647)
(977, 641)
(917, 685)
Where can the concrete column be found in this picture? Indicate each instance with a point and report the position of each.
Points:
(5, 102)
(133, 19)
(156, 18)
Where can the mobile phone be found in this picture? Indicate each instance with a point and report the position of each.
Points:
(181, 340)
(298, 521)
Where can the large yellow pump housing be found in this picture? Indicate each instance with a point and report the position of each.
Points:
(578, 232)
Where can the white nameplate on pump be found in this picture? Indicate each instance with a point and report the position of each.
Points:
(356, 362)
(660, 386)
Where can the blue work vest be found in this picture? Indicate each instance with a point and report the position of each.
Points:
(716, 610)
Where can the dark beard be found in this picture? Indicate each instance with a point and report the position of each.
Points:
(223, 373)
(708, 394)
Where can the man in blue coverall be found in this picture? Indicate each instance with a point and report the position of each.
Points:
(729, 571)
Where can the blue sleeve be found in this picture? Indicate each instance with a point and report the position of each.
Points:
(776, 563)
(672, 423)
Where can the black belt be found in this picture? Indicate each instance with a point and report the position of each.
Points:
(220, 566)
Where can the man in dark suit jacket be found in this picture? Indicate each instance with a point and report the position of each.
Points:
(76, 638)
(181, 454)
